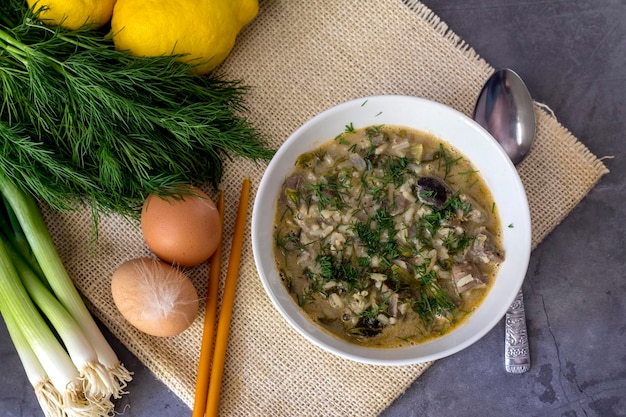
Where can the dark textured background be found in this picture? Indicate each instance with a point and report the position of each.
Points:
(572, 55)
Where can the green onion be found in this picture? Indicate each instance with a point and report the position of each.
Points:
(47, 395)
(42, 246)
(98, 382)
(22, 313)
(83, 368)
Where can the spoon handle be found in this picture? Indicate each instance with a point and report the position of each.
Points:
(516, 353)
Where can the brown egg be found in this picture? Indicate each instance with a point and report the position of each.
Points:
(184, 231)
(155, 297)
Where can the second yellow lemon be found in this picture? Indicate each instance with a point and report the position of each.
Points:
(73, 14)
(203, 32)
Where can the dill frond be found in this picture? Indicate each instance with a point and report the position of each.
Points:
(82, 123)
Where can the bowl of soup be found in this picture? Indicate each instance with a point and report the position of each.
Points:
(391, 230)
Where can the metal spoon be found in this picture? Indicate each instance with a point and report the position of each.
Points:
(505, 109)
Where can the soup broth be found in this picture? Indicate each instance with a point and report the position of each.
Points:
(386, 236)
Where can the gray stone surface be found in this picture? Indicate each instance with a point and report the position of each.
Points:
(572, 54)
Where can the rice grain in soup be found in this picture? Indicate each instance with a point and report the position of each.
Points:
(386, 236)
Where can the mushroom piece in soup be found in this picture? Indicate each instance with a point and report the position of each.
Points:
(386, 236)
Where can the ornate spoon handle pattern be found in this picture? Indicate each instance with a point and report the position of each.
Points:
(517, 353)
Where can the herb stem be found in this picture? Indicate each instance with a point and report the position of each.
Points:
(10, 40)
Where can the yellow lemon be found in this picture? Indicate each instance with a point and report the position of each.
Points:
(202, 32)
(74, 14)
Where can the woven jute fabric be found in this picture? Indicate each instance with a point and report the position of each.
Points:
(301, 57)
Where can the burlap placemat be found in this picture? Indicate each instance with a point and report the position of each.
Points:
(301, 57)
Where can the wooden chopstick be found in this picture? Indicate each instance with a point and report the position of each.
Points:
(210, 314)
(226, 310)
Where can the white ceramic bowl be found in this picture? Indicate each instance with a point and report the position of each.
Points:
(456, 129)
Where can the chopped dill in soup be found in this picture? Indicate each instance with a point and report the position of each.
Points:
(386, 236)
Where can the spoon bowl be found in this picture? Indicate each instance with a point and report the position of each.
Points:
(505, 109)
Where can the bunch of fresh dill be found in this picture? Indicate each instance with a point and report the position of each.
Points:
(82, 123)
